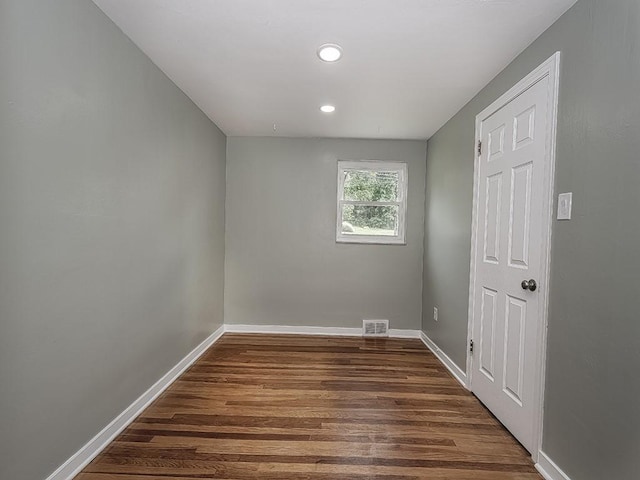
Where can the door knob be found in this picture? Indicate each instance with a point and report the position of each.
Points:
(530, 285)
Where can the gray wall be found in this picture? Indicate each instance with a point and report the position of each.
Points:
(283, 266)
(592, 418)
(111, 229)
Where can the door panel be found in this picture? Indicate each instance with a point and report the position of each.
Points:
(496, 143)
(492, 219)
(520, 216)
(524, 128)
(514, 339)
(487, 332)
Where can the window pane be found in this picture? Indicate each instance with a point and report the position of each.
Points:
(370, 186)
(368, 220)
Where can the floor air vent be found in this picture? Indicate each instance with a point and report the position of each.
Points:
(375, 328)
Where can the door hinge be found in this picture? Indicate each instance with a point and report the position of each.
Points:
(479, 148)
(471, 346)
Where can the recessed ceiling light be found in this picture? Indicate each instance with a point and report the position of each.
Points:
(330, 52)
(328, 108)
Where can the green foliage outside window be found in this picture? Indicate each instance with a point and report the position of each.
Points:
(368, 186)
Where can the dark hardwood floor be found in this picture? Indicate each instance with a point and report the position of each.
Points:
(281, 407)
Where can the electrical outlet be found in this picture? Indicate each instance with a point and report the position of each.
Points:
(435, 313)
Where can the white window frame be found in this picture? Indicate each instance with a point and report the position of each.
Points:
(401, 203)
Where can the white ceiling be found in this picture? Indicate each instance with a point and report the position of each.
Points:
(408, 65)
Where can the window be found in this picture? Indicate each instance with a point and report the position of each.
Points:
(372, 202)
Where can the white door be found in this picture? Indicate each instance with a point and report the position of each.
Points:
(512, 222)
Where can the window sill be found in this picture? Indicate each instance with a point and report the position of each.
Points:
(372, 241)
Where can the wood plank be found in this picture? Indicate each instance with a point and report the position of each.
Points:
(314, 408)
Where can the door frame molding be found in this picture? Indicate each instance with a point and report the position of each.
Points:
(551, 69)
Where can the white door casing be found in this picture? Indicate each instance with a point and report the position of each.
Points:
(511, 231)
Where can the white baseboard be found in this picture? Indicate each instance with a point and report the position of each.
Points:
(548, 469)
(300, 330)
(456, 371)
(82, 457)
(401, 333)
